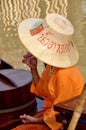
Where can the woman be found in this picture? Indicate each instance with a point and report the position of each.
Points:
(50, 41)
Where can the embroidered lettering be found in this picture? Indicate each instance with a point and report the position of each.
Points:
(60, 48)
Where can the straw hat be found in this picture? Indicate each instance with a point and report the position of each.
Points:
(49, 40)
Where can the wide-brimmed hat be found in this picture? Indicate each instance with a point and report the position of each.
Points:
(50, 40)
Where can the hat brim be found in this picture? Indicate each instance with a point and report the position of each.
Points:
(43, 52)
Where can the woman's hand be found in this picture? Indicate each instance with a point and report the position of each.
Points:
(29, 119)
(30, 60)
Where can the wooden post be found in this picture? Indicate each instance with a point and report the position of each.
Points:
(78, 110)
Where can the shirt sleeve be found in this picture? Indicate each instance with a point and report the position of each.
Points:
(39, 89)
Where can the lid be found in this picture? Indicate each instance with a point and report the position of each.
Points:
(14, 78)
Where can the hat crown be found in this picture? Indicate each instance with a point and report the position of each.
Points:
(60, 24)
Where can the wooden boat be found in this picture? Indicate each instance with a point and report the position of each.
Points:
(15, 95)
(66, 110)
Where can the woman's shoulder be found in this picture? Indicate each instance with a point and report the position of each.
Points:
(67, 71)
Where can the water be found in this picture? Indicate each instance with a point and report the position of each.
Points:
(12, 12)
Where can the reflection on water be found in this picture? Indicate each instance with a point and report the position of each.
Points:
(12, 12)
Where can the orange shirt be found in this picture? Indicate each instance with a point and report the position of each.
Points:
(57, 87)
